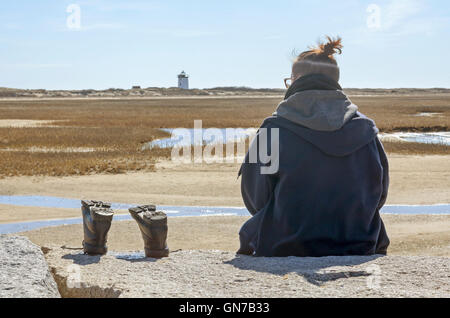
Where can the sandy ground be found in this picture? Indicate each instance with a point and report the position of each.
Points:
(224, 274)
(414, 180)
(12, 213)
(410, 235)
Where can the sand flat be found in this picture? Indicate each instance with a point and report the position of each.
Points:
(413, 180)
(12, 213)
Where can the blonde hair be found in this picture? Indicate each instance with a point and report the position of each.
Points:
(319, 60)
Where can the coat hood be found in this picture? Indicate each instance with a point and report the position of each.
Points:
(327, 119)
(322, 110)
(355, 134)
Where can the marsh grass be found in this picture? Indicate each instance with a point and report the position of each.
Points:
(117, 129)
(99, 138)
(391, 113)
(398, 113)
(415, 148)
(63, 164)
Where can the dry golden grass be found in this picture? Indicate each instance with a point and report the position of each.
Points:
(61, 164)
(415, 148)
(117, 129)
(397, 113)
(116, 143)
(144, 113)
(391, 113)
(100, 138)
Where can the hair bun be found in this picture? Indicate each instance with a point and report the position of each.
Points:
(332, 47)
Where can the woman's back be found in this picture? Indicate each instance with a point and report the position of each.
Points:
(332, 173)
(325, 197)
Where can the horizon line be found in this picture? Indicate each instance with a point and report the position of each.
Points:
(215, 87)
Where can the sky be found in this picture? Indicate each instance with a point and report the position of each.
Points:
(100, 44)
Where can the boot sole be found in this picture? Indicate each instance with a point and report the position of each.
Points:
(157, 253)
(94, 250)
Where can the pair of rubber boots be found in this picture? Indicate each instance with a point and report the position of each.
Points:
(97, 218)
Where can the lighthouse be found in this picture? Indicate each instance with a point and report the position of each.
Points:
(183, 80)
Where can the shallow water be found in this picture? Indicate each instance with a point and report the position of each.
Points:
(130, 256)
(437, 138)
(192, 137)
(238, 135)
(427, 114)
(172, 211)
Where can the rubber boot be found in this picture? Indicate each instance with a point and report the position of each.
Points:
(153, 226)
(97, 217)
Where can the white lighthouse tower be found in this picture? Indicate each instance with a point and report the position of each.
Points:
(183, 80)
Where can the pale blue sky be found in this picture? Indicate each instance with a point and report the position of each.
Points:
(219, 43)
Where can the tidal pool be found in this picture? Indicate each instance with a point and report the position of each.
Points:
(201, 136)
(437, 138)
(427, 114)
(192, 137)
(172, 211)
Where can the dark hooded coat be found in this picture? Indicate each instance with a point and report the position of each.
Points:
(332, 180)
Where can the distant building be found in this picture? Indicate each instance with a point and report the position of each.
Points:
(183, 80)
(136, 87)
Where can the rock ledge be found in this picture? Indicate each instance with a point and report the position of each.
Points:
(24, 272)
(223, 274)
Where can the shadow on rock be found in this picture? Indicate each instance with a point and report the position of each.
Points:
(315, 270)
(318, 279)
(82, 259)
(137, 257)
